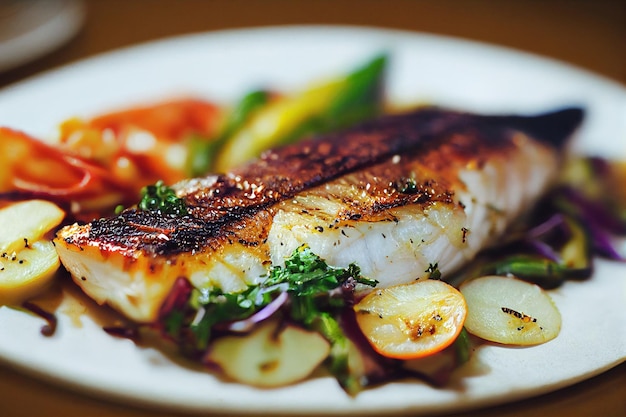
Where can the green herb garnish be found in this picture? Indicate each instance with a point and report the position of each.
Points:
(310, 280)
(159, 197)
(313, 301)
(407, 186)
(309, 275)
(433, 270)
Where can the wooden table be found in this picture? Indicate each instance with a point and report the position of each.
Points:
(590, 34)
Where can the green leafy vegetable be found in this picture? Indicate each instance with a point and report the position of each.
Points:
(310, 281)
(313, 301)
(159, 197)
(433, 270)
(339, 357)
(308, 275)
(462, 347)
(215, 307)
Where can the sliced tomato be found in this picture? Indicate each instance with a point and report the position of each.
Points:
(101, 163)
(142, 145)
(30, 168)
(51, 172)
(170, 120)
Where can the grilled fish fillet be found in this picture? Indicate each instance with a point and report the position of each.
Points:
(397, 196)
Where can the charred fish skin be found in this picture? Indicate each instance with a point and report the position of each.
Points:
(217, 202)
(394, 195)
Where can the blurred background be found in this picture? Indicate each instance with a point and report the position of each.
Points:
(587, 33)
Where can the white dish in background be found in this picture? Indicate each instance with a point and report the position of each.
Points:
(32, 28)
(223, 65)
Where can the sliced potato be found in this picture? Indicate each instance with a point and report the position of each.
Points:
(510, 311)
(412, 320)
(270, 356)
(272, 123)
(25, 273)
(25, 222)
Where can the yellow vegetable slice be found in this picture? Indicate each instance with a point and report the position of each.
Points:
(269, 356)
(27, 221)
(412, 320)
(273, 122)
(25, 273)
(510, 311)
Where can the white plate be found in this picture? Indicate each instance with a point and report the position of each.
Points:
(222, 66)
(29, 29)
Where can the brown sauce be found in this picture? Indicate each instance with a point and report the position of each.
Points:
(64, 298)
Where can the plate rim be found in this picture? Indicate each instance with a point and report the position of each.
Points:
(265, 29)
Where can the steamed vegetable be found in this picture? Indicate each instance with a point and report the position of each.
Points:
(412, 320)
(27, 259)
(596, 186)
(27, 221)
(307, 291)
(510, 311)
(271, 355)
(322, 108)
(28, 272)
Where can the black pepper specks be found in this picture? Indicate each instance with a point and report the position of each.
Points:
(524, 317)
(464, 232)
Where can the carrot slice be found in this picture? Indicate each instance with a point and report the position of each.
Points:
(169, 120)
